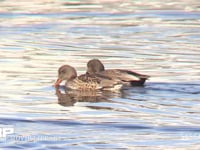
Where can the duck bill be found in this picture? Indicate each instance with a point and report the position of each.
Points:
(57, 83)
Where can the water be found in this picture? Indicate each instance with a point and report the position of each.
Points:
(151, 37)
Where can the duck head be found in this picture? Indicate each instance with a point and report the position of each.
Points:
(94, 66)
(65, 72)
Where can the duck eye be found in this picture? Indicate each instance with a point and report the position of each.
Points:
(63, 71)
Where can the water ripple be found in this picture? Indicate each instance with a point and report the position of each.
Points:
(151, 37)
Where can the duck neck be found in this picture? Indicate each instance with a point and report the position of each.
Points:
(72, 77)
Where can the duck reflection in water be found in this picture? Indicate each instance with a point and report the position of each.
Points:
(70, 97)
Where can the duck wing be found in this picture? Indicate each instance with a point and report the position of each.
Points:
(123, 75)
(104, 82)
(131, 74)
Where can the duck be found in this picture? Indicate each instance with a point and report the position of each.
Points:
(85, 81)
(126, 77)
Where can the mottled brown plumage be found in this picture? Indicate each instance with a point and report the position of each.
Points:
(86, 81)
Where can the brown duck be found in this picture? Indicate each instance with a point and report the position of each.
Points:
(86, 81)
(126, 77)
